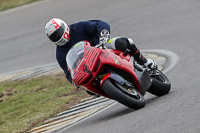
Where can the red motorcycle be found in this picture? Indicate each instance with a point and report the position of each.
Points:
(114, 74)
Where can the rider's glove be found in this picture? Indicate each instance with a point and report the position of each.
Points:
(150, 64)
(104, 37)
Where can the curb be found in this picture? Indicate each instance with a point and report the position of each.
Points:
(34, 72)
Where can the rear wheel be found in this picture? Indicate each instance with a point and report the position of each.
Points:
(127, 96)
(160, 84)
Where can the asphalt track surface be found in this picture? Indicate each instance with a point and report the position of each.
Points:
(173, 25)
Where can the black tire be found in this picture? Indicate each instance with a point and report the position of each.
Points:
(114, 90)
(160, 84)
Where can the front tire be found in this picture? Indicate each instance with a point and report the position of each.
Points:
(160, 84)
(121, 94)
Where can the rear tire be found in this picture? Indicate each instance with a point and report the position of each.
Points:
(160, 84)
(121, 94)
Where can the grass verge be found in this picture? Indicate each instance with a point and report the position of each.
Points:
(7, 4)
(27, 104)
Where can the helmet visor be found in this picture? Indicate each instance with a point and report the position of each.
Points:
(56, 35)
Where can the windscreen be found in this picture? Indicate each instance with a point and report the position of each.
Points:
(75, 55)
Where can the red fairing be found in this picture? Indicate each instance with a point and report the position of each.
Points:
(87, 64)
(117, 59)
(87, 67)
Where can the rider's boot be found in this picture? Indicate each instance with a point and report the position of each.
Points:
(92, 94)
(136, 53)
(139, 57)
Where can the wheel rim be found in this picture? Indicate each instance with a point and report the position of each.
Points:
(129, 91)
(160, 77)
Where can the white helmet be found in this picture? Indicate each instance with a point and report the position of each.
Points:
(57, 31)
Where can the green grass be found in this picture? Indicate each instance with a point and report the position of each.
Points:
(27, 104)
(7, 4)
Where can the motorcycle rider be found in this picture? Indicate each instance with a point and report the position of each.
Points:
(94, 31)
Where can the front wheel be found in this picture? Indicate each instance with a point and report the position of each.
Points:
(160, 84)
(127, 96)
